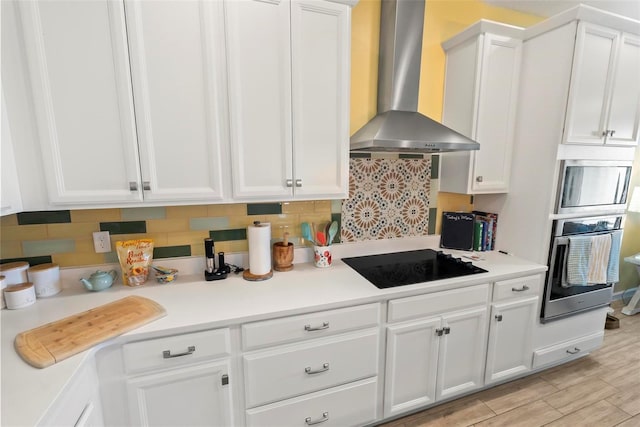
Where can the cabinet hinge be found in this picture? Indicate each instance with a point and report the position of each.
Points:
(225, 379)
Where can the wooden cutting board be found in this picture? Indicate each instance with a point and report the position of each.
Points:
(45, 345)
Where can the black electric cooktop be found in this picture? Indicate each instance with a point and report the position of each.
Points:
(406, 268)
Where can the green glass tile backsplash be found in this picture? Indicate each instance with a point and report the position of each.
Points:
(43, 217)
(124, 227)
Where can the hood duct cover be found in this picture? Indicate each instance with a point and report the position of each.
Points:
(398, 127)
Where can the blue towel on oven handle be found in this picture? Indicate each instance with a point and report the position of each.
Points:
(578, 260)
(613, 269)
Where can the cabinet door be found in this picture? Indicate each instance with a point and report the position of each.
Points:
(496, 116)
(259, 56)
(79, 69)
(624, 114)
(510, 339)
(320, 49)
(10, 193)
(461, 357)
(412, 358)
(591, 80)
(179, 88)
(183, 397)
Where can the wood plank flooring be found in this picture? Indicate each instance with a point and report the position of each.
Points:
(599, 390)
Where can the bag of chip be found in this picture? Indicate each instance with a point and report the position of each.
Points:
(135, 260)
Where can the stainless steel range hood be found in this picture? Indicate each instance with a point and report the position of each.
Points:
(398, 127)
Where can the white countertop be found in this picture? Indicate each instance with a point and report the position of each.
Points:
(192, 303)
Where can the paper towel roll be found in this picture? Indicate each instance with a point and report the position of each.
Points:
(259, 236)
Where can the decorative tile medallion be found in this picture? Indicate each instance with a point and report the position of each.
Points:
(388, 198)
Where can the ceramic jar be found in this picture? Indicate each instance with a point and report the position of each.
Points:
(19, 296)
(45, 279)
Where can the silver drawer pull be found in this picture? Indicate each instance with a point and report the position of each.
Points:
(325, 367)
(133, 186)
(190, 350)
(146, 186)
(522, 289)
(498, 317)
(325, 325)
(325, 417)
(576, 350)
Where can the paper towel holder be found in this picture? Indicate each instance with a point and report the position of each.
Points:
(248, 275)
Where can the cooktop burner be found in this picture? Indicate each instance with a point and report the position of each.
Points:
(406, 268)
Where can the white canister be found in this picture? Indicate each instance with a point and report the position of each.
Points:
(45, 279)
(19, 296)
(3, 284)
(14, 272)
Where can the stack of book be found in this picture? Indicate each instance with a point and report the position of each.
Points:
(484, 232)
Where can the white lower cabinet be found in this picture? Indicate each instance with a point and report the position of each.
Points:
(79, 404)
(179, 380)
(510, 339)
(192, 396)
(313, 372)
(348, 405)
(435, 357)
(513, 317)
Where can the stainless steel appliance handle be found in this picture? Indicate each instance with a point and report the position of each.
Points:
(190, 350)
(309, 371)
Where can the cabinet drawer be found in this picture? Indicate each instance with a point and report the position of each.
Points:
(294, 370)
(517, 288)
(312, 325)
(348, 405)
(567, 350)
(176, 350)
(439, 302)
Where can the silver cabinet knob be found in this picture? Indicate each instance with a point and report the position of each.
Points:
(133, 186)
(298, 183)
(499, 317)
(479, 178)
(146, 186)
(289, 183)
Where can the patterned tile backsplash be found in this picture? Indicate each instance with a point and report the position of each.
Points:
(388, 197)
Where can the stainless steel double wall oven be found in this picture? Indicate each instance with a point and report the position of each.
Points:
(592, 197)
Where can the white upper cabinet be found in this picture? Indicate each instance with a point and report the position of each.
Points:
(480, 99)
(604, 95)
(10, 198)
(79, 69)
(86, 71)
(289, 98)
(179, 87)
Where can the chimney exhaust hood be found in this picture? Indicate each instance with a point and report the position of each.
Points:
(398, 127)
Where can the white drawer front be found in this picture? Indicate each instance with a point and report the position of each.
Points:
(306, 326)
(517, 288)
(353, 404)
(182, 349)
(567, 350)
(438, 302)
(294, 370)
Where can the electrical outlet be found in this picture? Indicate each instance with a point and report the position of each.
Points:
(101, 242)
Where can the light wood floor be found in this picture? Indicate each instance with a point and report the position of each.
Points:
(600, 390)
